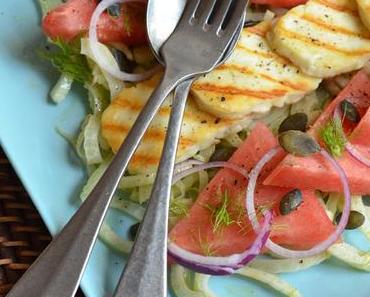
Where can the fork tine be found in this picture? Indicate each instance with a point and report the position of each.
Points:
(190, 9)
(205, 10)
(221, 13)
(234, 17)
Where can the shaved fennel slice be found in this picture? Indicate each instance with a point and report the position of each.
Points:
(271, 280)
(181, 288)
(203, 180)
(94, 178)
(179, 285)
(88, 146)
(201, 284)
(99, 98)
(131, 208)
(275, 282)
(61, 89)
(106, 233)
(351, 255)
(366, 209)
(357, 205)
(206, 154)
(144, 194)
(115, 85)
(331, 206)
(287, 265)
(234, 140)
(133, 181)
(115, 242)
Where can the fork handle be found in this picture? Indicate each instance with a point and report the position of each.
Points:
(145, 274)
(58, 270)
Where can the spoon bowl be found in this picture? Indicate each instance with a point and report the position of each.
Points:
(166, 14)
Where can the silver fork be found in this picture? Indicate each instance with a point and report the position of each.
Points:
(145, 274)
(193, 49)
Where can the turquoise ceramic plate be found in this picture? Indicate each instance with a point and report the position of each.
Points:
(53, 176)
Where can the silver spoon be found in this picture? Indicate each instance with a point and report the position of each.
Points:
(143, 275)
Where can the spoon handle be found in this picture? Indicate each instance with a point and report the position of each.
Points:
(145, 274)
(58, 270)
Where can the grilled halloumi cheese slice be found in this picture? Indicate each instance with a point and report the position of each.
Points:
(199, 129)
(254, 79)
(364, 10)
(323, 37)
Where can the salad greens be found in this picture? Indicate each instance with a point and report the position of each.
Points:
(69, 61)
(221, 214)
(333, 136)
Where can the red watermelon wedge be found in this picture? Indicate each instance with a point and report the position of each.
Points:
(361, 135)
(196, 232)
(315, 172)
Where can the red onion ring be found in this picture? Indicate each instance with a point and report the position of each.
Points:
(209, 165)
(219, 265)
(94, 44)
(355, 153)
(222, 265)
(186, 165)
(323, 246)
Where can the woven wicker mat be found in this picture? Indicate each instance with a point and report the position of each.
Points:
(23, 235)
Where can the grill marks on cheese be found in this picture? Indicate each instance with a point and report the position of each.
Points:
(340, 5)
(254, 79)
(199, 130)
(324, 37)
(364, 10)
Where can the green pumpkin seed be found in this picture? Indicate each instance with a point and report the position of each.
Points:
(133, 231)
(290, 202)
(350, 111)
(222, 153)
(122, 61)
(366, 200)
(356, 219)
(323, 95)
(297, 121)
(114, 10)
(298, 143)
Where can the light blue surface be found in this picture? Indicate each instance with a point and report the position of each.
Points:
(53, 177)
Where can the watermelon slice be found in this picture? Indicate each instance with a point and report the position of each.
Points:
(197, 233)
(357, 92)
(361, 135)
(315, 172)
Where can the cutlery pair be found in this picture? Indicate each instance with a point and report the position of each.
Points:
(199, 42)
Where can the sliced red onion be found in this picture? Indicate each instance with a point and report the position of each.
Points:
(222, 265)
(357, 154)
(321, 247)
(185, 165)
(180, 175)
(94, 45)
(350, 148)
